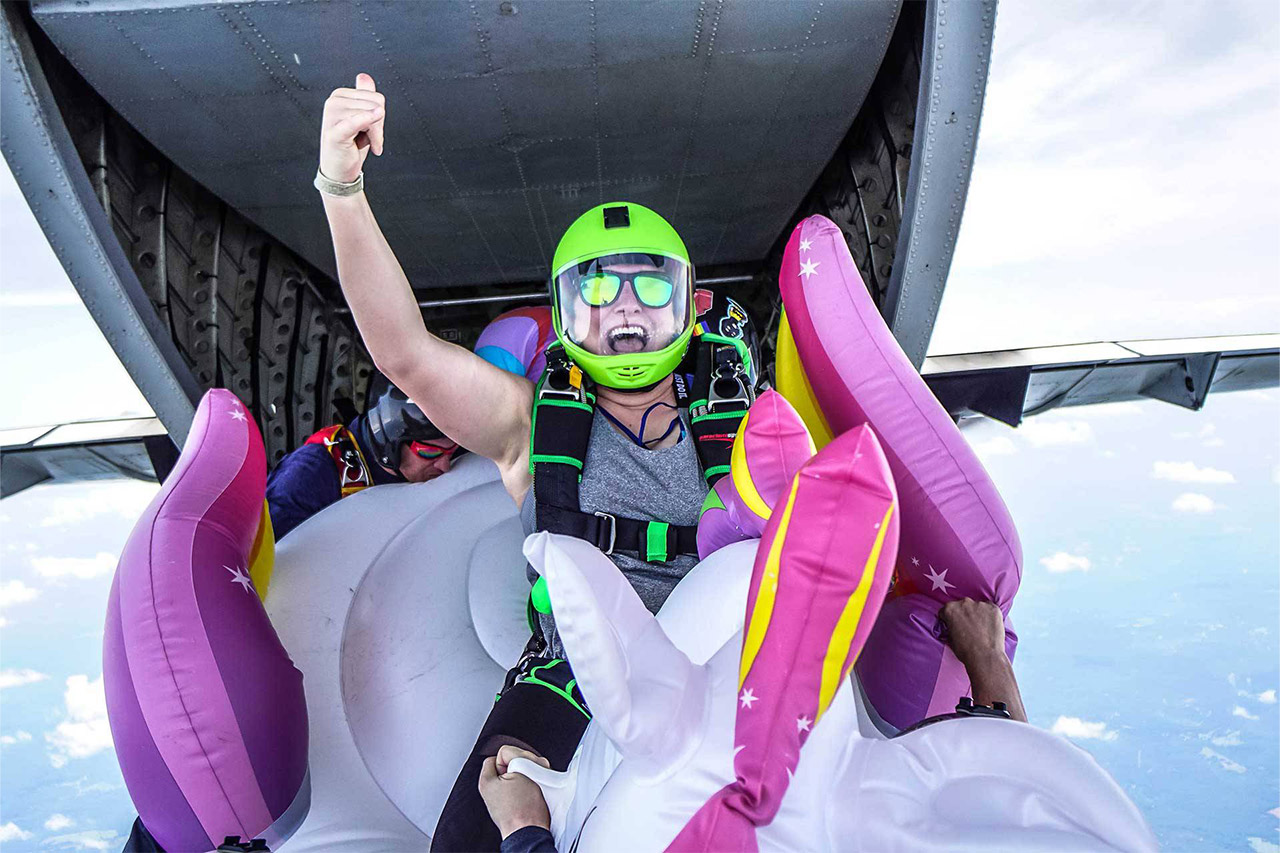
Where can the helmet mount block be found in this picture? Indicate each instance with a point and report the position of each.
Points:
(617, 217)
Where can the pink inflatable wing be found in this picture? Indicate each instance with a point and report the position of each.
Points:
(517, 341)
(771, 446)
(958, 539)
(206, 709)
(814, 594)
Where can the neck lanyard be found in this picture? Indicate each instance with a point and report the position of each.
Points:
(639, 441)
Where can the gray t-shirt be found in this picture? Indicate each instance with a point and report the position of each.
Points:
(648, 485)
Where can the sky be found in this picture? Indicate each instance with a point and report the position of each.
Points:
(1125, 178)
(1124, 188)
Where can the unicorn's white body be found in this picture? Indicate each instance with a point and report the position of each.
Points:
(403, 605)
(643, 770)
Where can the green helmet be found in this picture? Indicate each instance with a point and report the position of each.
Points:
(622, 295)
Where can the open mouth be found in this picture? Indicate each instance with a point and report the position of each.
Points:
(627, 339)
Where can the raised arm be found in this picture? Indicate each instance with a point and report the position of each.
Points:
(482, 407)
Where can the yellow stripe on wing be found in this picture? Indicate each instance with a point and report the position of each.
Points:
(758, 624)
(741, 474)
(793, 383)
(833, 665)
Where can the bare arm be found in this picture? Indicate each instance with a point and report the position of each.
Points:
(976, 630)
(482, 407)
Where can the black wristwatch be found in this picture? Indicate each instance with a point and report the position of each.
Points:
(966, 708)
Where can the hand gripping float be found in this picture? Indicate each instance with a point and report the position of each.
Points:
(958, 539)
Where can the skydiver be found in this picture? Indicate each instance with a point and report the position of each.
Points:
(392, 442)
(614, 454)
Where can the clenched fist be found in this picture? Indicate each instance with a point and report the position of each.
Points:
(514, 801)
(352, 127)
(975, 628)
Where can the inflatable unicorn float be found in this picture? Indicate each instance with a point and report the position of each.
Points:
(322, 693)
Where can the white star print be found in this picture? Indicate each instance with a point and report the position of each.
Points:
(808, 268)
(915, 561)
(803, 724)
(805, 244)
(236, 415)
(238, 576)
(747, 698)
(939, 580)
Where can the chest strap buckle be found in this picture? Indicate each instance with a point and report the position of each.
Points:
(613, 533)
(564, 381)
(728, 393)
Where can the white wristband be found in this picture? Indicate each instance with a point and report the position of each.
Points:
(328, 186)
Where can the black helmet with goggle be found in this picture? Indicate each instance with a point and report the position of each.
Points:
(393, 420)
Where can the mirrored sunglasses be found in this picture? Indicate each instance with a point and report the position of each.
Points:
(602, 288)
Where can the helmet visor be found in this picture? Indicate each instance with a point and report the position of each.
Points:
(623, 304)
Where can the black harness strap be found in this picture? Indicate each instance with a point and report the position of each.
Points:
(723, 398)
(563, 410)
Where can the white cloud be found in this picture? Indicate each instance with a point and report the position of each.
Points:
(1074, 727)
(19, 677)
(84, 786)
(996, 446)
(1267, 697)
(124, 499)
(82, 568)
(1048, 433)
(1188, 472)
(1258, 845)
(4, 622)
(1194, 502)
(17, 737)
(85, 839)
(1229, 739)
(12, 832)
(1238, 711)
(16, 592)
(1064, 562)
(1224, 762)
(58, 821)
(84, 731)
